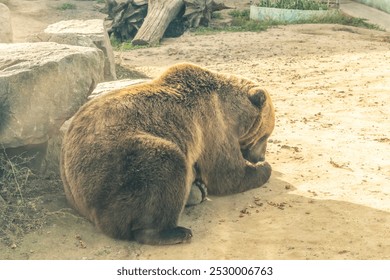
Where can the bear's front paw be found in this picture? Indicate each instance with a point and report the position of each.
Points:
(265, 169)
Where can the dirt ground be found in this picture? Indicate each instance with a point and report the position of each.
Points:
(329, 195)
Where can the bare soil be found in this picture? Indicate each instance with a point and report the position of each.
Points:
(329, 195)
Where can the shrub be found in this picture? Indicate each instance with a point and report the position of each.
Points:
(293, 4)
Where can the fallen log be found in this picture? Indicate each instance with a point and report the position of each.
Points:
(160, 14)
(148, 21)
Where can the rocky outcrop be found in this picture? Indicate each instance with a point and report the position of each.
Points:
(5, 25)
(41, 86)
(87, 33)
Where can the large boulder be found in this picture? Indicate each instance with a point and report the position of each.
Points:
(5, 25)
(87, 33)
(41, 86)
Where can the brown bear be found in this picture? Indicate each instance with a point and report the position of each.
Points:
(129, 157)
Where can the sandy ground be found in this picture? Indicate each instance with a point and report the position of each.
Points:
(329, 195)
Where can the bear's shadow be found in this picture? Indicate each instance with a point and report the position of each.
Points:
(242, 202)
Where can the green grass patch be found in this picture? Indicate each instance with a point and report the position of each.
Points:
(242, 23)
(243, 14)
(293, 4)
(67, 6)
(216, 15)
(342, 19)
(126, 46)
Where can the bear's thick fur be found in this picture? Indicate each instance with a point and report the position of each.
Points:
(129, 157)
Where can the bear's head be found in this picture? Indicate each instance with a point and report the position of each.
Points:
(253, 142)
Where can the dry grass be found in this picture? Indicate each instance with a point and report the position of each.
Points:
(22, 197)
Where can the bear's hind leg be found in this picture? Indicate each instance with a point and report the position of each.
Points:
(163, 182)
(163, 237)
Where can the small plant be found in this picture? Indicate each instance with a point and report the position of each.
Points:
(244, 14)
(240, 23)
(216, 16)
(293, 4)
(16, 214)
(125, 46)
(128, 46)
(67, 6)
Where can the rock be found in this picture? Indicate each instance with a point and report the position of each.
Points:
(41, 86)
(5, 25)
(107, 87)
(87, 33)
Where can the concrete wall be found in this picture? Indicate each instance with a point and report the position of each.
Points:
(383, 5)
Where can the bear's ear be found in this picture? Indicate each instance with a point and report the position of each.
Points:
(257, 96)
